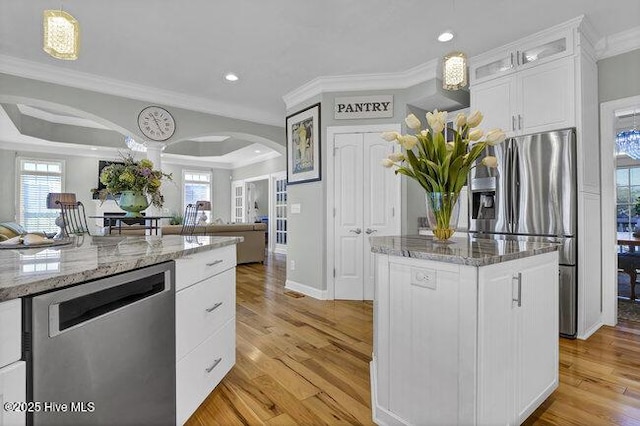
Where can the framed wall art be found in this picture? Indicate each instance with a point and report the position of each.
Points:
(303, 145)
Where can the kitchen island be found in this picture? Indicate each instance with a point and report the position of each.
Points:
(91, 308)
(465, 332)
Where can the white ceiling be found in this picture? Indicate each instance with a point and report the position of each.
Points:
(276, 46)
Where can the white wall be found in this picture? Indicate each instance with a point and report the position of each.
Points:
(273, 165)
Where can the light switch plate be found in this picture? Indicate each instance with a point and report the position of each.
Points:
(296, 208)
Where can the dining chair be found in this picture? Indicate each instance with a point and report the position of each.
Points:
(74, 218)
(190, 218)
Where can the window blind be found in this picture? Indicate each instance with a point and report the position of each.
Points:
(37, 179)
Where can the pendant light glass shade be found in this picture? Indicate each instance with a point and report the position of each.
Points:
(61, 35)
(454, 71)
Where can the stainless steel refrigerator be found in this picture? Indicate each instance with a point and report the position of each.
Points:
(533, 193)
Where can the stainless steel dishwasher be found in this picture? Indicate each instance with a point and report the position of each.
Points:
(103, 352)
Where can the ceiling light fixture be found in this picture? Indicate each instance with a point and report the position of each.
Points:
(61, 35)
(231, 77)
(257, 151)
(454, 65)
(133, 145)
(445, 36)
(454, 71)
(628, 141)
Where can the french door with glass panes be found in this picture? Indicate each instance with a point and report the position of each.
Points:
(237, 205)
(279, 217)
(367, 203)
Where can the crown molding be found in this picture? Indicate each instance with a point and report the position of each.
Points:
(360, 82)
(81, 80)
(618, 43)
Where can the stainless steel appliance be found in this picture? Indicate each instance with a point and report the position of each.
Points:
(533, 192)
(105, 350)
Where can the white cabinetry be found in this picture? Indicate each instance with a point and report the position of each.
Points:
(548, 81)
(205, 325)
(457, 344)
(533, 100)
(517, 339)
(13, 377)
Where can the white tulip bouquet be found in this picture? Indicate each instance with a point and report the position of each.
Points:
(442, 167)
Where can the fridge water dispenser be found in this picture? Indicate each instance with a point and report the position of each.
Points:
(483, 198)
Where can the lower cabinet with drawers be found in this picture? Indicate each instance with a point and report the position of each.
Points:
(205, 325)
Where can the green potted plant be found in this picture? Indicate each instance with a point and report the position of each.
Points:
(134, 185)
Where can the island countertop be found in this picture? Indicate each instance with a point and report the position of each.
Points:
(467, 250)
(24, 272)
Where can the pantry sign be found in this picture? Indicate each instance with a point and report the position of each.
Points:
(355, 107)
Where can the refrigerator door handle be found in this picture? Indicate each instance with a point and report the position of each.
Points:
(515, 187)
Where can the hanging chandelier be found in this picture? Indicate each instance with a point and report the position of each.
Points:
(61, 34)
(454, 71)
(628, 142)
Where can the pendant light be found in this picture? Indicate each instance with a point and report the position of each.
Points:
(454, 66)
(628, 141)
(61, 34)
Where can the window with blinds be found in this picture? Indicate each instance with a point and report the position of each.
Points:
(37, 178)
(197, 187)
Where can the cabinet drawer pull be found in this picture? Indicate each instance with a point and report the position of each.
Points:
(519, 279)
(513, 123)
(519, 122)
(214, 307)
(215, 364)
(214, 263)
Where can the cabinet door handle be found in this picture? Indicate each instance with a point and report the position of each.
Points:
(513, 122)
(519, 122)
(214, 263)
(519, 279)
(518, 57)
(215, 364)
(214, 307)
(511, 59)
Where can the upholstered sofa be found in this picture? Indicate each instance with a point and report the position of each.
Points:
(251, 250)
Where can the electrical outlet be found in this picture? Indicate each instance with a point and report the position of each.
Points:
(292, 265)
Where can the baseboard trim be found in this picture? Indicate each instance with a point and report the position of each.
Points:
(380, 415)
(589, 332)
(306, 290)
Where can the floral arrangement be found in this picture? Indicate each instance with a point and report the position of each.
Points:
(442, 167)
(135, 176)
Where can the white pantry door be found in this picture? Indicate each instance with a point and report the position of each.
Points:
(367, 200)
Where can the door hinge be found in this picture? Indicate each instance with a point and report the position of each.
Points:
(334, 272)
(393, 212)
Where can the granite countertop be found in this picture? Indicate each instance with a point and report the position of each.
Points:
(466, 250)
(24, 272)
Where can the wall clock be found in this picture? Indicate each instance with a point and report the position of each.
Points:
(156, 123)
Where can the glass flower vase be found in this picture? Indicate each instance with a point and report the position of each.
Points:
(443, 211)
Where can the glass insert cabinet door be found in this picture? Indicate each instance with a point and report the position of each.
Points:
(542, 51)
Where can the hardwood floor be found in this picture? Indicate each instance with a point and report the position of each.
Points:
(302, 361)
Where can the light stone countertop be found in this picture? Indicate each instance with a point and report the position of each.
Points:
(463, 250)
(24, 272)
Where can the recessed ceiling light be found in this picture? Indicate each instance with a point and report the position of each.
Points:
(257, 151)
(445, 36)
(231, 77)
(94, 149)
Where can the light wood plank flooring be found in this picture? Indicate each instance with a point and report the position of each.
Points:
(302, 361)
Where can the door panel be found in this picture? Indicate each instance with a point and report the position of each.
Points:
(537, 351)
(545, 203)
(496, 99)
(349, 232)
(381, 201)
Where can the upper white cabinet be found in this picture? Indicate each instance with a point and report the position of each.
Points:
(521, 55)
(533, 100)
